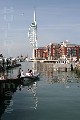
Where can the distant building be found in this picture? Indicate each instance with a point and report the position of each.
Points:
(40, 53)
(55, 51)
(70, 51)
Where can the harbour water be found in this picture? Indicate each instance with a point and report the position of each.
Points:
(55, 96)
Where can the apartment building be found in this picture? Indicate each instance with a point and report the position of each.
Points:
(54, 51)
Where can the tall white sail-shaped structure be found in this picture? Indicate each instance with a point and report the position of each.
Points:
(32, 34)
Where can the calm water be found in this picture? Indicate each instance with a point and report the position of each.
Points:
(56, 96)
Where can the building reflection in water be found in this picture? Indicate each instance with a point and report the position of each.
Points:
(7, 89)
(47, 71)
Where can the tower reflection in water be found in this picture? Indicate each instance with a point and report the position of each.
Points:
(31, 85)
(33, 89)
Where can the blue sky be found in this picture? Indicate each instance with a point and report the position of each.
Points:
(57, 20)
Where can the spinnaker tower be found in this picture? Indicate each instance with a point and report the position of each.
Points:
(32, 34)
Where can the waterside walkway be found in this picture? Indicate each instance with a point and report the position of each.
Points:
(58, 66)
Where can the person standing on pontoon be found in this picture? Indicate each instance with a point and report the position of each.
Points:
(22, 74)
(19, 73)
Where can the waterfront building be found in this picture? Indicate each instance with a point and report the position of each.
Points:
(65, 51)
(49, 52)
(53, 51)
(70, 51)
(40, 53)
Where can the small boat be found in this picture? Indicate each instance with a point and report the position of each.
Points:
(31, 76)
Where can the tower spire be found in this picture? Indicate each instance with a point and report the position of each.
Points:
(35, 18)
(34, 15)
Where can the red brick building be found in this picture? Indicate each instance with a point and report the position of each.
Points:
(40, 53)
(70, 51)
(54, 51)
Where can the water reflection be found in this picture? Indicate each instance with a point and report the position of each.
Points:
(7, 89)
(47, 71)
(51, 75)
(50, 84)
(33, 89)
(31, 86)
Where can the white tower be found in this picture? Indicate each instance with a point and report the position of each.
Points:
(32, 34)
